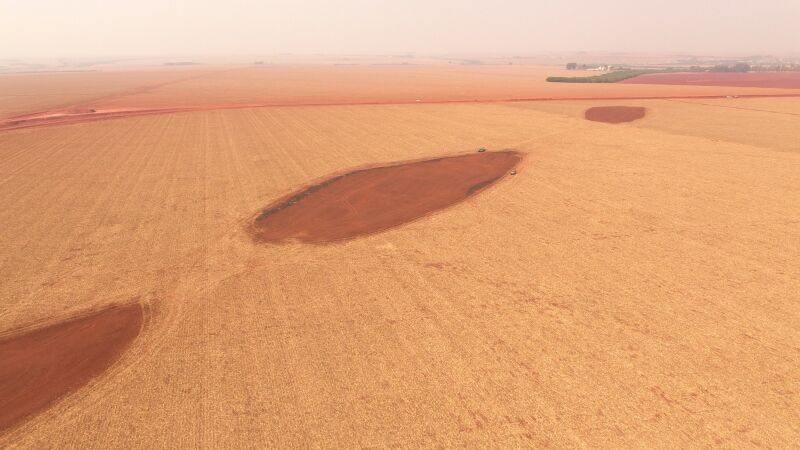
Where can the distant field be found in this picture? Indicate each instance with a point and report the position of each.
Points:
(608, 77)
(38, 100)
(780, 80)
(632, 285)
(215, 87)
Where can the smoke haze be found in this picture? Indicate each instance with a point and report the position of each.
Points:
(90, 28)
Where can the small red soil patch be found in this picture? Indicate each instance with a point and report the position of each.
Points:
(782, 80)
(39, 366)
(615, 114)
(370, 200)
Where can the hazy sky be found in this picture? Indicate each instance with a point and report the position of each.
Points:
(81, 28)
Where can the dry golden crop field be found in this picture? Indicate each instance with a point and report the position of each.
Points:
(631, 285)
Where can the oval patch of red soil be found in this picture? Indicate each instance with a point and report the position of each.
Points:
(39, 366)
(615, 114)
(371, 200)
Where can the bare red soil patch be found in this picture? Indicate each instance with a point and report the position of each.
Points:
(375, 199)
(615, 114)
(781, 80)
(39, 366)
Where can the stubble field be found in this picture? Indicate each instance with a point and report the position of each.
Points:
(633, 285)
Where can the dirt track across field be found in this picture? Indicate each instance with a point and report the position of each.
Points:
(67, 117)
(371, 200)
(39, 366)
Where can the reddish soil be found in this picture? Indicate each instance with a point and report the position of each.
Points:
(615, 114)
(782, 80)
(39, 366)
(370, 200)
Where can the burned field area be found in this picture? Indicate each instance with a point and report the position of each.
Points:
(371, 200)
(41, 365)
(615, 114)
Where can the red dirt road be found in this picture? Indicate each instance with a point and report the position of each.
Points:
(615, 114)
(371, 200)
(781, 80)
(37, 367)
(85, 114)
